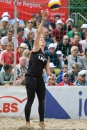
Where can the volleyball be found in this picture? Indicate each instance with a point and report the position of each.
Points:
(54, 4)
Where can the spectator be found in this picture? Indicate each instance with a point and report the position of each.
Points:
(65, 81)
(30, 40)
(17, 23)
(75, 42)
(20, 51)
(84, 59)
(56, 18)
(35, 21)
(74, 73)
(26, 54)
(4, 26)
(68, 26)
(84, 42)
(9, 38)
(81, 81)
(48, 40)
(73, 32)
(53, 56)
(52, 81)
(20, 33)
(63, 70)
(21, 22)
(83, 30)
(6, 76)
(29, 28)
(60, 57)
(64, 47)
(74, 58)
(45, 76)
(8, 55)
(58, 33)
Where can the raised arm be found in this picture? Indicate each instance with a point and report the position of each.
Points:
(39, 31)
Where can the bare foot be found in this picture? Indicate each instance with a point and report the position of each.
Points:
(41, 124)
(27, 123)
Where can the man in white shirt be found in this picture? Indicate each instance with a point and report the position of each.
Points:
(6, 39)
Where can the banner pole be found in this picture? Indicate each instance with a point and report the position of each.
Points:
(15, 44)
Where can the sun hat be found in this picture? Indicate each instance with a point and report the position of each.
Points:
(82, 72)
(51, 46)
(65, 74)
(69, 19)
(5, 14)
(52, 65)
(59, 21)
(59, 53)
(23, 45)
(5, 19)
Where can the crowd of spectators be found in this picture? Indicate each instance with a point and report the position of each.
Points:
(66, 47)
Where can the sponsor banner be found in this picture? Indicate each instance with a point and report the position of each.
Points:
(27, 8)
(60, 103)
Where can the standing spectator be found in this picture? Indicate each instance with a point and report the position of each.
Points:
(8, 55)
(64, 47)
(20, 33)
(9, 38)
(29, 28)
(58, 33)
(74, 58)
(65, 81)
(63, 70)
(48, 40)
(56, 18)
(73, 32)
(6, 76)
(81, 81)
(30, 40)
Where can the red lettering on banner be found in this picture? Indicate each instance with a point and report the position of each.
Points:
(14, 107)
(6, 107)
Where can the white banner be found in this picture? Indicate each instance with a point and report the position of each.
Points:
(61, 102)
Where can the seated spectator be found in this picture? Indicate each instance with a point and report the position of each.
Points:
(35, 21)
(81, 81)
(20, 51)
(83, 30)
(20, 33)
(26, 54)
(74, 58)
(68, 26)
(56, 18)
(58, 33)
(60, 57)
(75, 42)
(9, 38)
(48, 40)
(29, 28)
(4, 26)
(65, 81)
(6, 76)
(30, 40)
(73, 32)
(84, 43)
(63, 70)
(53, 56)
(84, 59)
(74, 73)
(8, 55)
(64, 47)
(52, 81)
(45, 76)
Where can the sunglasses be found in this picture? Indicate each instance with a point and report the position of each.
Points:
(30, 22)
(83, 75)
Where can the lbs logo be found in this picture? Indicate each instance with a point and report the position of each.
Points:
(10, 107)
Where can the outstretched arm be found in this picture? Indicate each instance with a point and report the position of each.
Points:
(36, 43)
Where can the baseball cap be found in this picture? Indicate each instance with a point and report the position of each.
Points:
(59, 21)
(5, 19)
(84, 26)
(51, 46)
(52, 65)
(65, 74)
(59, 53)
(69, 19)
(23, 45)
(82, 72)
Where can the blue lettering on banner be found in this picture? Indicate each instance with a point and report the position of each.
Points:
(80, 105)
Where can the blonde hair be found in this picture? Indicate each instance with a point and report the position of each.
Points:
(75, 66)
(26, 53)
(64, 66)
(28, 35)
(73, 48)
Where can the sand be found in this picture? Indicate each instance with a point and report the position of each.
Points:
(18, 123)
